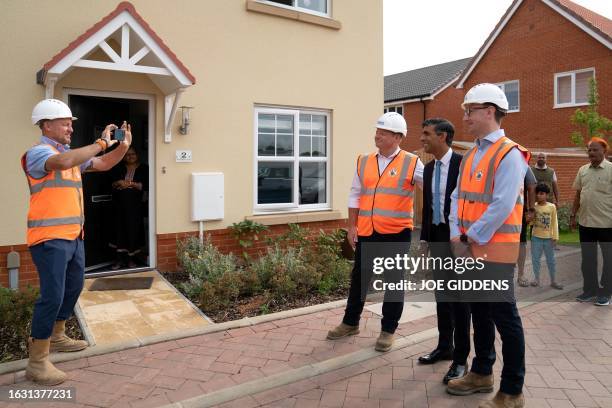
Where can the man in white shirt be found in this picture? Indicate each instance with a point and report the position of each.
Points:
(381, 209)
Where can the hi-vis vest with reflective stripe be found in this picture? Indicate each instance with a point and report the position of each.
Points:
(476, 193)
(56, 205)
(386, 201)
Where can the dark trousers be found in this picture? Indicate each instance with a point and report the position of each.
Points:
(391, 310)
(453, 317)
(61, 270)
(589, 237)
(486, 316)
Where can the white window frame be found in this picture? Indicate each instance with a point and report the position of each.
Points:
(502, 85)
(300, 9)
(571, 74)
(295, 206)
(394, 108)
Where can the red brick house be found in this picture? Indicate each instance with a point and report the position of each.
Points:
(542, 53)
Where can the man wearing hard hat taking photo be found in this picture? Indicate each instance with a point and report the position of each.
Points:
(380, 210)
(485, 222)
(55, 228)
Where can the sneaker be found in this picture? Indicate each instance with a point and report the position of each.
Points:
(602, 301)
(584, 298)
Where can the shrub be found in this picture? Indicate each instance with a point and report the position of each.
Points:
(247, 232)
(563, 216)
(203, 263)
(15, 319)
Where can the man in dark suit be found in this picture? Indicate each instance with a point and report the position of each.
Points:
(439, 181)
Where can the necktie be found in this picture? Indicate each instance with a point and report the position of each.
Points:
(436, 194)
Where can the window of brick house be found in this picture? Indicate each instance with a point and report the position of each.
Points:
(572, 88)
(511, 89)
(319, 7)
(292, 159)
(399, 109)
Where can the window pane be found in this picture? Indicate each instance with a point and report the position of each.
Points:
(512, 93)
(319, 125)
(582, 86)
(400, 110)
(265, 123)
(312, 183)
(564, 89)
(284, 145)
(315, 5)
(318, 146)
(305, 126)
(274, 183)
(305, 146)
(265, 145)
(284, 124)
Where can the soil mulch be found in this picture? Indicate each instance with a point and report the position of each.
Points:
(16, 348)
(250, 306)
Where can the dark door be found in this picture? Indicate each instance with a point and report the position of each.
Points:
(93, 114)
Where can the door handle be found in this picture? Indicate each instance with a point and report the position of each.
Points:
(101, 198)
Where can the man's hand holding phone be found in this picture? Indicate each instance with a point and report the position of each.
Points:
(113, 134)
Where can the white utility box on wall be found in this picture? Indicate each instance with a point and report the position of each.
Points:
(207, 196)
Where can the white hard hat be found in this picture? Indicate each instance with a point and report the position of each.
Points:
(392, 121)
(486, 93)
(50, 109)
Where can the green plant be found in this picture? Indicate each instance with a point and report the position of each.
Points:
(590, 122)
(15, 321)
(563, 216)
(204, 263)
(247, 232)
(296, 236)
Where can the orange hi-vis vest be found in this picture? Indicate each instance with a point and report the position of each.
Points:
(56, 205)
(475, 193)
(386, 200)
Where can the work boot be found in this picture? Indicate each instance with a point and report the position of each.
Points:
(502, 400)
(60, 342)
(384, 341)
(39, 369)
(470, 384)
(342, 330)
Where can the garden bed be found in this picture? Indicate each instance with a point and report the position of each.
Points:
(300, 268)
(16, 320)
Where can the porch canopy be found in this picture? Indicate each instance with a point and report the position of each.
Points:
(123, 41)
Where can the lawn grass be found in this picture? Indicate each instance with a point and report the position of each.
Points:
(569, 237)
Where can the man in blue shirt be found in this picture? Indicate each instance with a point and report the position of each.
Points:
(484, 106)
(55, 228)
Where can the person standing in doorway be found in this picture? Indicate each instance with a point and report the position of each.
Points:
(380, 210)
(439, 181)
(593, 210)
(55, 228)
(130, 186)
(485, 222)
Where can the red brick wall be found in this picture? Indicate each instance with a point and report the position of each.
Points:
(447, 104)
(566, 169)
(27, 270)
(535, 44)
(223, 239)
(166, 249)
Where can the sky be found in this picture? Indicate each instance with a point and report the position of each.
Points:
(421, 33)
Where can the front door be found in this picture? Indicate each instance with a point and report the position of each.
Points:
(101, 214)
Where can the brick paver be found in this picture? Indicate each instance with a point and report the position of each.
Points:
(567, 362)
(568, 356)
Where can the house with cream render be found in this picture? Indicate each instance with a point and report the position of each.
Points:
(241, 109)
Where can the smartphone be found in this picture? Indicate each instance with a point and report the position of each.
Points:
(119, 134)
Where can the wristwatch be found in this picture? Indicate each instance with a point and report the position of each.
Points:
(463, 238)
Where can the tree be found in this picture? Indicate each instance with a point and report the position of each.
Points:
(590, 122)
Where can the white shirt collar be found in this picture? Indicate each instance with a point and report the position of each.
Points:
(395, 153)
(541, 168)
(446, 158)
